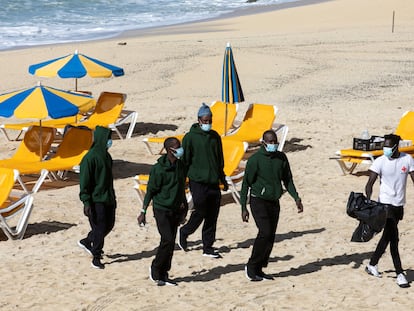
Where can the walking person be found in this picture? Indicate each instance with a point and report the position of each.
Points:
(203, 156)
(393, 168)
(97, 194)
(166, 188)
(265, 172)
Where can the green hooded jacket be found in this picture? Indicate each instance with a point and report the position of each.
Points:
(96, 179)
(264, 174)
(203, 155)
(166, 185)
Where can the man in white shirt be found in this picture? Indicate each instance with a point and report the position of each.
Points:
(393, 169)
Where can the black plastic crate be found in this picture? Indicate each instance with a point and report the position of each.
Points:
(373, 143)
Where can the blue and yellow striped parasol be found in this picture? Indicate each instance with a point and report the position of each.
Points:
(41, 102)
(76, 66)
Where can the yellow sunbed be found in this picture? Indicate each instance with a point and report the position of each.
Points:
(349, 159)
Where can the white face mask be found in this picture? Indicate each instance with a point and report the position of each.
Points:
(205, 127)
(109, 144)
(388, 151)
(178, 153)
(271, 147)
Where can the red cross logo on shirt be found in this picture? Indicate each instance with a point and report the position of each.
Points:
(404, 169)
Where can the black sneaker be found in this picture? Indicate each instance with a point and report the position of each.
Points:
(264, 276)
(155, 279)
(166, 280)
(212, 254)
(97, 264)
(87, 247)
(182, 241)
(251, 276)
(169, 282)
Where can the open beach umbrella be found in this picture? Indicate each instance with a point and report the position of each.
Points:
(231, 88)
(75, 66)
(41, 102)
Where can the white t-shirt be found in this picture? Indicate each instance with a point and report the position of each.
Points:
(393, 177)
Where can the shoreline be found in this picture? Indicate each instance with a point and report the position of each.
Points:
(164, 30)
(168, 29)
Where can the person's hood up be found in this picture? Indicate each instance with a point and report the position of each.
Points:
(100, 137)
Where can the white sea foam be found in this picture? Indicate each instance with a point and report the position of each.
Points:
(28, 23)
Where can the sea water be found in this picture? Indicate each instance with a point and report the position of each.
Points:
(28, 23)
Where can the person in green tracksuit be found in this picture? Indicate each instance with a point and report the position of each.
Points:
(203, 156)
(166, 189)
(97, 194)
(265, 172)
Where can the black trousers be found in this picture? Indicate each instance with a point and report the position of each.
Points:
(266, 216)
(390, 236)
(102, 222)
(167, 224)
(206, 200)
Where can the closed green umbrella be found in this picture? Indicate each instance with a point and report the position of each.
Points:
(231, 88)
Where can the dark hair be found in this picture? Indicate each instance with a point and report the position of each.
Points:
(169, 142)
(394, 138)
(269, 132)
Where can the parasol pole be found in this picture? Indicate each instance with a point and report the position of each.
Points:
(225, 120)
(76, 79)
(39, 84)
(40, 139)
(226, 85)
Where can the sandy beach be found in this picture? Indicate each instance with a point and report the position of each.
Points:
(333, 69)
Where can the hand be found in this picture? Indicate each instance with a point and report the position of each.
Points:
(245, 215)
(299, 205)
(141, 219)
(87, 210)
(225, 185)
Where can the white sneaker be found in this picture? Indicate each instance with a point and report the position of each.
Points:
(373, 270)
(402, 281)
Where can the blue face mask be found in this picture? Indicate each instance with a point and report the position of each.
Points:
(109, 144)
(271, 147)
(388, 151)
(178, 153)
(205, 127)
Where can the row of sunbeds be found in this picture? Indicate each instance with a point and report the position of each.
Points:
(109, 111)
(50, 150)
(257, 119)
